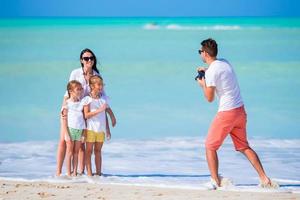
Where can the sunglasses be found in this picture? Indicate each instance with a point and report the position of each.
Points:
(88, 58)
(200, 51)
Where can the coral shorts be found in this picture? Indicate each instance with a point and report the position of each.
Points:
(93, 136)
(231, 122)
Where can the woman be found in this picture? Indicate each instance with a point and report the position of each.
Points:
(88, 68)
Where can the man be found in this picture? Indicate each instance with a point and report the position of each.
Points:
(231, 117)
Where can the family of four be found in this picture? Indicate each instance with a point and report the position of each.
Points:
(84, 124)
(84, 119)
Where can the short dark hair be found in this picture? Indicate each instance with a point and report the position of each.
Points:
(210, 46)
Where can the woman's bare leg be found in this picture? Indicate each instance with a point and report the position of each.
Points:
(61, 151)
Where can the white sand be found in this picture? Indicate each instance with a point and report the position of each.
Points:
(78, 191)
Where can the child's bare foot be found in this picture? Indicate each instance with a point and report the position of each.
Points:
(58, 174)
(89, 174)
(80, 173)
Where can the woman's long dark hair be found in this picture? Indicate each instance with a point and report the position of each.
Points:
(95, 59)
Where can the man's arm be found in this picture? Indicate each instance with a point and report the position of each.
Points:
(209, 92)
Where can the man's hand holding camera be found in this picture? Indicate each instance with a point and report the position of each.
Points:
(200, 78)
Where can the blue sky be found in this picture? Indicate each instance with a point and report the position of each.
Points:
(147, 8)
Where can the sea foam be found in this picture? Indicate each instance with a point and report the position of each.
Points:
(166, 162)
(154, 26)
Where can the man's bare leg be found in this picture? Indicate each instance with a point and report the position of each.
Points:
(213, 164)
(254, 160)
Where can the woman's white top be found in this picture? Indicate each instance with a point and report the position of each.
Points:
(77, 74)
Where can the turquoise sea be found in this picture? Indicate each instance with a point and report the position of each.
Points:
(149, 73)
(149, 65)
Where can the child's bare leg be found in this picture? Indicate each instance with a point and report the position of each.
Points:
(75, 156)
(81, 158)
(88, 155)
(70, 146)
(98, 157)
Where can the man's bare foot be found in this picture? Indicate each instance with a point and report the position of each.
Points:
(215, 182)
(268, 183)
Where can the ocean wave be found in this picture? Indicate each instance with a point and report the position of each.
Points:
(276, 143)
(151, 26)
(215, 27)
(159, 182)
(175, 161)
(154, 26)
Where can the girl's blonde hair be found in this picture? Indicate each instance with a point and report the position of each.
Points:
(73, 84)
(95, 79)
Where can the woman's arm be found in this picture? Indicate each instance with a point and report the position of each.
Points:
(63, 106)
(108, 134)
(112, 116)
(83, 136)
(64, 125)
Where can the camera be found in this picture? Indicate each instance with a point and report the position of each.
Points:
(201, 74)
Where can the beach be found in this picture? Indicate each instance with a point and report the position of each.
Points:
(46, 190)
(157, 148)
